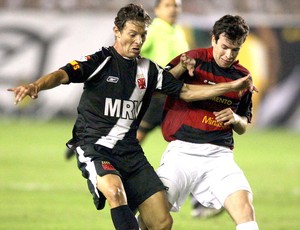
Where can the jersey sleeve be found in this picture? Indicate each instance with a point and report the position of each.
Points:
(245, 107)
(80, 70)
(170, 85)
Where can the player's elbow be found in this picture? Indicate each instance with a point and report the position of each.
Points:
(240, 132)
(186, 94)
(186, 97)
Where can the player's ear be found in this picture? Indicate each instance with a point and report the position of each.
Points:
(117, 32)
(213, 40)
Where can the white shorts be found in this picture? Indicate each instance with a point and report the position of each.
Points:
(207, 171)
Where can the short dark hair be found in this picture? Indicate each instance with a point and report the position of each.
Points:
(131, 12)
(234, 27)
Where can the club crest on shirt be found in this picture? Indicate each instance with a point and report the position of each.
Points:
(106, 165)
(141, 81)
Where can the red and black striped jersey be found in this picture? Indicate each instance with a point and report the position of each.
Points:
(194, 121)
(116, 93)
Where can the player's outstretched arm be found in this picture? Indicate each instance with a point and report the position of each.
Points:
(186, 64)
(201, 92)
(48, 81)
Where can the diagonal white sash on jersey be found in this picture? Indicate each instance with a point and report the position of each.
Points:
(123, 125)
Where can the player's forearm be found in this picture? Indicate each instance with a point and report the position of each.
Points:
(203, 92)
(177, 70)
(51, 80)
(240, 126)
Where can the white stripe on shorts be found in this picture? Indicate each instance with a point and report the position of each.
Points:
(90, 167)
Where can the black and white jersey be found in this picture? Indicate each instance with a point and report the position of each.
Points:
(117, 92)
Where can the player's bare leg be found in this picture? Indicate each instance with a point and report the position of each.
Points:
(239, 206)
(112, 188)
(154, 213)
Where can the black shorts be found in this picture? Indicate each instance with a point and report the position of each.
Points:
(138, 176)
(153, 115)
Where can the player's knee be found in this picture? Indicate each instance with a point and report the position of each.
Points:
(163, 224)
(169, 222)
(248, 211)
(239, 205)
(247, 208)
(115, 196)
(244, 212)
(166, 223)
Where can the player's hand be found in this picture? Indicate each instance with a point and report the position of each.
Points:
(188, 63)
(244, 83)
(23, 91)
(227, 117)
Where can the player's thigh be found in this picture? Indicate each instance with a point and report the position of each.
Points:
(223, 179)
(239, 206)
(175, 173)
(142, 184)
(155, 210)
(103, 179)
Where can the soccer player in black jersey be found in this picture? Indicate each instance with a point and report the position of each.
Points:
(118, 85)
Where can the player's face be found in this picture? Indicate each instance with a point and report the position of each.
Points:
(168, 10)
(225, 51)
(129, 41)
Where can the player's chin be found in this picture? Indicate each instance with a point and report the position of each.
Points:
(225, 64)
(135, 52)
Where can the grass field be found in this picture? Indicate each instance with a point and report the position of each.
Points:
(39, 189)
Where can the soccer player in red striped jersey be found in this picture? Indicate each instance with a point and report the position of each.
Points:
(199, 157)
